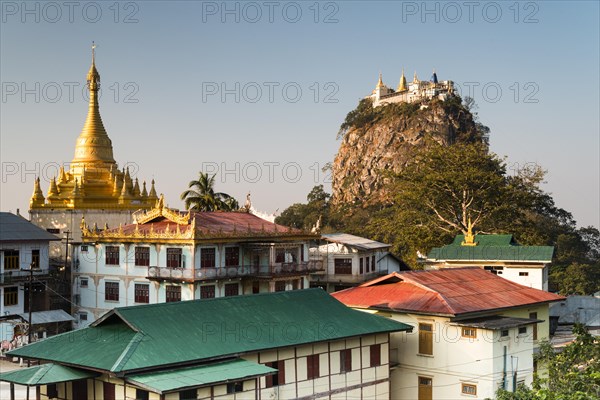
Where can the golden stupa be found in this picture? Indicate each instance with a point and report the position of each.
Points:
(93, 180)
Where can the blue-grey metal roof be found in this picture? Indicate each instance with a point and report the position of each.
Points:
(14, 228)
(358, 242)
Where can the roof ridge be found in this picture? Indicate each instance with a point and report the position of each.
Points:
(128, 352)
(438, 294)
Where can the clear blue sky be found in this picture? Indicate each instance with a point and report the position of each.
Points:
(210, 85)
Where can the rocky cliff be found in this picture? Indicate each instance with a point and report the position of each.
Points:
(378, 141)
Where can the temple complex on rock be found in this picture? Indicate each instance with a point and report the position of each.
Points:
(411, 92)
(92, 186)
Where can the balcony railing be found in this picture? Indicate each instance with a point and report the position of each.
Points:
(237, 271)
(17, 276)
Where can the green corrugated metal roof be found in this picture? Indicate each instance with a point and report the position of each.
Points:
(491, 248)
(94, 348)
(202, 375)
(189, 331)
(45, 374)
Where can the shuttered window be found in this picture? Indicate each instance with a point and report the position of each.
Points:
(426, 339)
(346, 360)
(375, 355)
(312, 366)
(278, 378)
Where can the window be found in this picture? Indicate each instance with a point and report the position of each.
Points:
(279, 255)
(79, 389)
(522, 330)
(111, 291)
(140, 394)
(173, 293)
(54, 231)
(174, 257)
(142, 293)
(343, 266)
(112, 255)
(84, 248)
(190, 394)
(504, 333)
(426, 339)
(35, 258)
(280, 286)
(231, 289)
(207, 258)
(312, 366)
(232, 256)
(467, 388)
(109, 391)
(83, 316)
(533, 315)
(494, 270)
(345, 360)
(523, 273)
(469, 333)
(207, 292)
(278, 378)
(235, 387)
(375, 355)
(367, 265)
(373, 263)
(11, 296)
(11, 259)
(83, 282)
(360, 265)
(142, 256)
(425, 388)
(52, 391)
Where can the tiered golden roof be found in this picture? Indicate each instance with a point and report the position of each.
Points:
(94, 179)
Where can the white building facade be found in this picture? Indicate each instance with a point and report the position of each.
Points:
(350, 260)
(177, 257)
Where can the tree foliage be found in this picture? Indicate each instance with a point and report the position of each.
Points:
(305, 216)
(201, 196)
(572, 373)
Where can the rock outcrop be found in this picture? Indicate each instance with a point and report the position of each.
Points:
(379, 141)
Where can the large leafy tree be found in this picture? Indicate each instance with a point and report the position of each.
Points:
(572, 374)
(201, 196)
(306, 216)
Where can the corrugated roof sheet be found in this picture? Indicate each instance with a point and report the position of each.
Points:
(217, 223)
(46, 317)
(45, 374)
(491, 248)
(447, 291)
(354, 241)
(198, 376)
(14, 228)
(140, 337)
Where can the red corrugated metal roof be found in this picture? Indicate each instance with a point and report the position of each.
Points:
(219, 223)
(447, 291)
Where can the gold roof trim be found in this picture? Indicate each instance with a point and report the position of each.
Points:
(160, 210)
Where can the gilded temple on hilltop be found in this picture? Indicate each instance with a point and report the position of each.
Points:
(93, 186)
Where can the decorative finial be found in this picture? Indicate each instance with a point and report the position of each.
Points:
(248, 203)
(93, 52)
(469, 237)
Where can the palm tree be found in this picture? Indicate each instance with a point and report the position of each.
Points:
(201, 196)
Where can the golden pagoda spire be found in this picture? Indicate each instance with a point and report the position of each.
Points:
(402, 85)
(380, 82)
(415, 79)
(37, 198)
(93, 144)
(62, 177)
(152, 195)
(136, 188)
(144, 192)
(52, 190)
